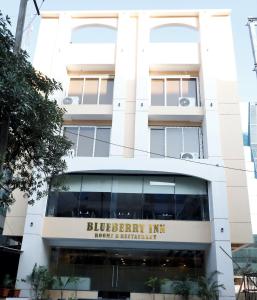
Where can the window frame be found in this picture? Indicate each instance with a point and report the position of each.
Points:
(94, 139)
(180, 77)
(84, 77)
(200, 138)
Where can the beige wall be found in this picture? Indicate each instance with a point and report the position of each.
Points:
(175, 231)
(15, 218)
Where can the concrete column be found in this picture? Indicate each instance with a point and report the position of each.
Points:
(211, 130)
(34, 248)
(142, 87)
(124, 88)
(216, 259)
(59, 67)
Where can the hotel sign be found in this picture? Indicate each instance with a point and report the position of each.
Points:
(126, 230)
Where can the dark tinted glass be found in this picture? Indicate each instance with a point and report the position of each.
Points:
(127, 206)
(190, 207)
(159, 206)
(94, 205)
(67, 204)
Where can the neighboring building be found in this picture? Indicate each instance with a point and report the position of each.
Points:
(156, 187)
(247, 257)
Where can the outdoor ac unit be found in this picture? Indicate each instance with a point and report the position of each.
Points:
(70, 100)
(189, 155)
(186, 101)
(71, 153)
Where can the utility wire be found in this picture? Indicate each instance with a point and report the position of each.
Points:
(161, 155)
(33, 19)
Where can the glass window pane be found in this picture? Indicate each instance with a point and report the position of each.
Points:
(86, 141)
(106, 91)
(158, 185)
(76, 88)
(188, 207)
(190, 186)
(97, 183)
(191, 140)
(52, 204)
(174, 142)
(157, 146)
(189, 88)
(71, 182)
(94, 205)
(173, 92)
(127, 184)
(159, 206)
(127, 206)
(157, 92)
(71, 133)
(102, 148)
(90, 91)
(67, 204)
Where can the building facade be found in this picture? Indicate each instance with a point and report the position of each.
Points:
(246, 258)
(155, 178)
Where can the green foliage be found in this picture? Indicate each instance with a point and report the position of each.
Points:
(63, 282)
(153, 283)
(40, 280)
(183, 288)
(208, 287)
(8, 282)
(35, 147)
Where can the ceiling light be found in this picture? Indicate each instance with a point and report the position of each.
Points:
(162, 183)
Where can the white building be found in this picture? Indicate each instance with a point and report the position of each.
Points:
(155, 186)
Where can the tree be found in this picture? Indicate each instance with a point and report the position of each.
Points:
(40, 280)
(31, 120)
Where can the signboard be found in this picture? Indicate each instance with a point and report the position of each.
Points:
(125, 230)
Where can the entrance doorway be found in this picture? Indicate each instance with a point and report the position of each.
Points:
(118, 271)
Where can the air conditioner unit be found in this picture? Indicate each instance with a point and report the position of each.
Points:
(70, 153)
(186, 101)
(70, 100)
(189, 155)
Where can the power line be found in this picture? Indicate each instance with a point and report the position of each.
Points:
(158, 154)
(33, 19)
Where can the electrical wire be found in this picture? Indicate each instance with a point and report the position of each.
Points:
(161, 155)
(33, 19)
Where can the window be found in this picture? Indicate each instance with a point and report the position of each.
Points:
(138, 197)
(91, 90)
(89, 141)
(175, 141)
(168, 91)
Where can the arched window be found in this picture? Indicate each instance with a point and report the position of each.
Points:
(174, 34)
(93, 34)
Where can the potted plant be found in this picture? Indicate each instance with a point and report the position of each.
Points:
(62, 283)
(6, 286)
(13, 292)
(40, 280)
(152, 282)
(183, 288)
(208, 287)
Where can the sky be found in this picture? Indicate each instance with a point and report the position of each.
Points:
(241, 10)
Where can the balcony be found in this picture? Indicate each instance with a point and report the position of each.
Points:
(89, 98)
(175, 98)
